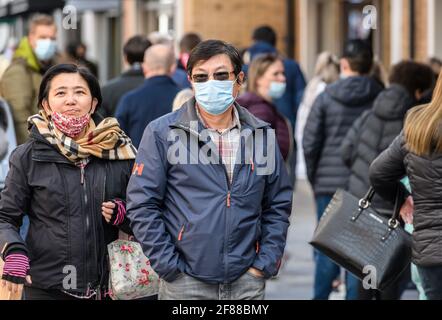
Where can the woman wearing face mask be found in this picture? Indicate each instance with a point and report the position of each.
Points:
(70, 179)
(266, 82)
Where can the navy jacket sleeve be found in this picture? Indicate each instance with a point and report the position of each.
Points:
(313, 139)
(122, 114)
(299, 85)
(145, 194)
(276, 210)
(14, 203)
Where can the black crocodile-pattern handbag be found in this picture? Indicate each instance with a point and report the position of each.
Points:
(355, 236)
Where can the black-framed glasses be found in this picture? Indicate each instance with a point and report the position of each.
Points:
(220, 76)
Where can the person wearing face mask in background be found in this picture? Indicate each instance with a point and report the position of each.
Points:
(70, 179)
(215, 229)
(266, 82)
(20, 82)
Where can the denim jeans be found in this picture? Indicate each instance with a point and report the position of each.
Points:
(326, 271)
(24, 227)
(185, 287)
(431, 281)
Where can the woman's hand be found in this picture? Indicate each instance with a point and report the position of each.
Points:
(14, 287)
(107, 210)
(15, 272)
(407, 210)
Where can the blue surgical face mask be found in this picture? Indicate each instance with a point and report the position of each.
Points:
(214, 96)
(45, 49)
(276, 89)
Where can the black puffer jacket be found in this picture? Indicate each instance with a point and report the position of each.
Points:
(371, 134)
(66, 225)
(426, 187)
(332, 115)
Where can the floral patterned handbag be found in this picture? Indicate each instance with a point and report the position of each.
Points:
(131, 276)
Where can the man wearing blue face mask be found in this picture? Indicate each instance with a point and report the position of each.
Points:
(20, 82)
(212, 223)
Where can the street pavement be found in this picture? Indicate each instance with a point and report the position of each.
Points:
(295, 279)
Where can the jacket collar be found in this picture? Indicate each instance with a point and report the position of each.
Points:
(43, 151)
(158, 80)
(134, 71)
(24, 51)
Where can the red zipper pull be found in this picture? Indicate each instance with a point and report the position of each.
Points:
(228, 199)
(180, 235)
(253, 165)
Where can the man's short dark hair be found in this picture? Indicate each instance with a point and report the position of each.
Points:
(210, 48)
(189, 41)
(412, 76)
(359, 55)
(266, 34)
(135, 47)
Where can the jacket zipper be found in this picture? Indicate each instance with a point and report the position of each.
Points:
(85, 248)
(89, 223)
(102, 257)
(228, 205)
(69, 258)
(228, 202)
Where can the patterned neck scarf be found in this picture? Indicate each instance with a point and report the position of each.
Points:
(104, 141)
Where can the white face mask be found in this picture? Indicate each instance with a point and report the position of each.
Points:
(214, 96)
(277, 89)
(45, 49)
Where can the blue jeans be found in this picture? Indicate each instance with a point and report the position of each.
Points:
(185, 287)
(431, 282)
(326, 271)
(24, 227)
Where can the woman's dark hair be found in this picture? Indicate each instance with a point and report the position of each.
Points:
(92, 82)
(412, 76)
(210, 48)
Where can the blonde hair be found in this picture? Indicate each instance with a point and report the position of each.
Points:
(258, 68)
(422, 129)
(40, 19)
(327, 67)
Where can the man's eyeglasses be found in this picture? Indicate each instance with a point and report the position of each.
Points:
(220, 76)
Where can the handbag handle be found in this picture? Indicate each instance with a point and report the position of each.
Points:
(365, 202)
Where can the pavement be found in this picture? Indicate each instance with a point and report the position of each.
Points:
(295, 279)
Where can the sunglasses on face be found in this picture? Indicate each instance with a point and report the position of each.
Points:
(220, 76)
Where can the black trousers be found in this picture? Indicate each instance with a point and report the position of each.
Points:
(32, 293)
(393, 292)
